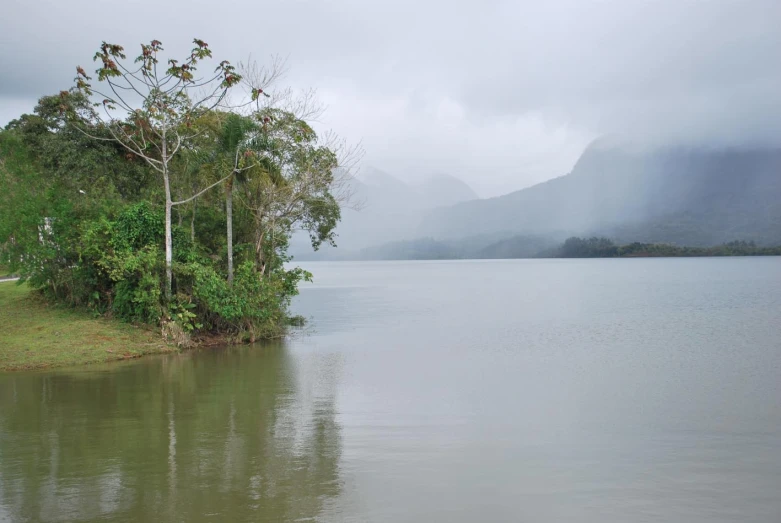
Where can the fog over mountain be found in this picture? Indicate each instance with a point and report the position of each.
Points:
(500, 94)
(505, 97)
(387, 209)
(624, 189)
(633, 192)
(390, 209)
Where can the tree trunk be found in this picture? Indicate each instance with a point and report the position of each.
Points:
(168, 242)
(259, 250)
(169, 248)
(192, 221)
(229, 220)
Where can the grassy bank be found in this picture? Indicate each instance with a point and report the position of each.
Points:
(35, 335)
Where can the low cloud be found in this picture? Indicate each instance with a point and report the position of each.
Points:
(500, 94)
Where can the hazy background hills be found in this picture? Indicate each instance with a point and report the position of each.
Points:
(388, 210)
(622, 190)
(391, 209)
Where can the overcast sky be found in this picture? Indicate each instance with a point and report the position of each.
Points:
(500, 94)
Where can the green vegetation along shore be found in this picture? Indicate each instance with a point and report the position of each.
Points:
(529, 246)
(174, 211)
(38, 335)
(605, 248)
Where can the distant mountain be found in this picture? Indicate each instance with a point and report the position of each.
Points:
(434, 191)
(517, 247)
(419, 249)
(390, 210)
(441, 190)
(630, 193)
(476, 247)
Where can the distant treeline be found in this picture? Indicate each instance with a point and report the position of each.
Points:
(539, 247)
(475, 247)
(605, 248)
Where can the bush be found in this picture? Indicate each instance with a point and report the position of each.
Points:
(78, 223)
(121, 271)
(252, 307)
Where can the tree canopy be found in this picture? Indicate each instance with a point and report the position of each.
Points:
(109, 199)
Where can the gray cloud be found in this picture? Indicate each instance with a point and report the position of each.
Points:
(501, 94)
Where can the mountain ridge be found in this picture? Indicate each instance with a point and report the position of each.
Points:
(390, 210)
(724, 194)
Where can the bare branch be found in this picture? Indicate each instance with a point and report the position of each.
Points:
(191, 198)
(151, 161)
(255, 76)
(177, 146)
(258, 78)
(348, 158)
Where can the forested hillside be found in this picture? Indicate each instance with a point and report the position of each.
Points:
(679, 195)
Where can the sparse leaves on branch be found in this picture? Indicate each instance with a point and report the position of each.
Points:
(169, 102)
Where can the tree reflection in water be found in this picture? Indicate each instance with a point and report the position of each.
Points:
(228, 435)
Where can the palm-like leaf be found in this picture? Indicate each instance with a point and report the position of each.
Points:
(234, 132)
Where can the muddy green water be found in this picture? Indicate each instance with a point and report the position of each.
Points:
(546, 390)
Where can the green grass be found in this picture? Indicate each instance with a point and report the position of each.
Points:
(35, 335)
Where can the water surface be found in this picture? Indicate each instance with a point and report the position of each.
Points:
(529, 390)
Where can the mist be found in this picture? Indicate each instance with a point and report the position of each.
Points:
(502, 95)
(624, 190)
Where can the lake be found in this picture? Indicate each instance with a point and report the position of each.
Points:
(626, 390)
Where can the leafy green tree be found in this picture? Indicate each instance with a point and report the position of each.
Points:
(85, 219)
(57, 179)
(299, 188)
(149, 107)
(236, 154)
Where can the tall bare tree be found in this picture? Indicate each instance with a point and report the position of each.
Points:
(149, 108)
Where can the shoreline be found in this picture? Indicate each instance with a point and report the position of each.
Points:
(40, 336)
(43, 336)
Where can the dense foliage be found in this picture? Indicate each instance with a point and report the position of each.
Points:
(83, 218)
(604, 248)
